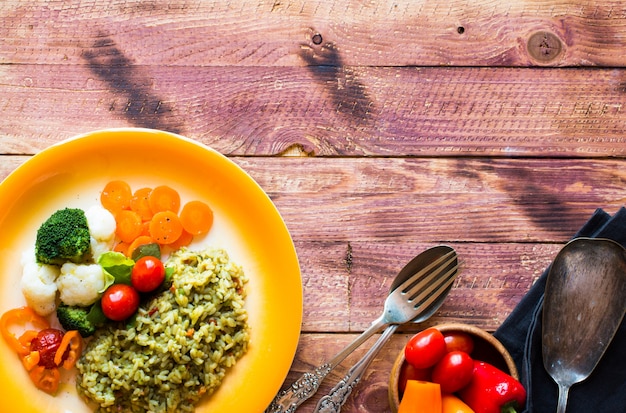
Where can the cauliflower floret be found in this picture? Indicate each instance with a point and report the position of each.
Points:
(38, 286)
(80, 284)
(101, 223)
(100, 247)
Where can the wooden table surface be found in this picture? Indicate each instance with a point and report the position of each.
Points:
(378, 128)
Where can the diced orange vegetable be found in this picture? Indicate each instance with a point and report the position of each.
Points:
(196, 217)
(45, 379)
(128, 225)
(72, 341)
(21, 317)
(116, 196)
(452, 404)
(139, 241)
(164, 198)
(139, 203)
(421, 397)
(182, 241)
(31, 360)
(165, 227)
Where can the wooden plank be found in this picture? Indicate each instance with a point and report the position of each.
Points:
(303, 32)
(431, 200)
(323, 111)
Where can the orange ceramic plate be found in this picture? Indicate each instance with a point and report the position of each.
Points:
(247, 225)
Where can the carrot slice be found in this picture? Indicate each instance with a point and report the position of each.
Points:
(145, 228)
(182, 241)
(164, 198)
(121, 247)
(116, 196)
(128, 225)
(196, 217)
(139, 203)
(139, 241)
(165, 227)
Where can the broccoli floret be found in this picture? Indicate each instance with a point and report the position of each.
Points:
(75, 318)
(63, 237)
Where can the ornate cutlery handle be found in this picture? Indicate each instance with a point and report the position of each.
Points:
(302, 389)
(333, 402)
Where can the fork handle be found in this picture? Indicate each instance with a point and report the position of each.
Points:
(307, 385)
(333, 402)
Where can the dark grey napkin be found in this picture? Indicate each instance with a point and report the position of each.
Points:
(605, 390)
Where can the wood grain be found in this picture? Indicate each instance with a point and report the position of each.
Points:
(277, 33)
(323, 111)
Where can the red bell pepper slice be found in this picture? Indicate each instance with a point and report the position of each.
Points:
(493, 391)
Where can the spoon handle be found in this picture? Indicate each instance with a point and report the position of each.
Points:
(288, 400)
(562, 401)
(333, 402)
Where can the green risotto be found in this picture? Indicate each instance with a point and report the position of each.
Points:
(180, 346)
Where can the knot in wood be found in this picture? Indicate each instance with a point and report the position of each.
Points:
(544, 46)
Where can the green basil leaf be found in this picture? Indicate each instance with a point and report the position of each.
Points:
(95, 315)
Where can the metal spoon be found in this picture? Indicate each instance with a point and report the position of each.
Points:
(582, 310)
(426, 303)
(420, 272)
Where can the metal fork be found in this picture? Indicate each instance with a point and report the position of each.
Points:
(419, 280)
(422, 303)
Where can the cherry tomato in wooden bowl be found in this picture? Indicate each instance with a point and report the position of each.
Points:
(484, 347)
(453, 371)
(425, 348)
(459, 341)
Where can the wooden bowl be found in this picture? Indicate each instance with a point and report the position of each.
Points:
(486, 348)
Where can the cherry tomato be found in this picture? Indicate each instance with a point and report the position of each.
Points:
(148, 274)
(408, 372)
(47, 343)
(425, 348)
(458, 341)
(119, 302)
(454, 371)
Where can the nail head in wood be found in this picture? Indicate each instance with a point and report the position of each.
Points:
(317, 38)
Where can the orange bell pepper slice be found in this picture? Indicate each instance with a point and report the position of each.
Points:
(452, 404)
(21, 316)
(74, 342)
(46, 379)
(421, 396)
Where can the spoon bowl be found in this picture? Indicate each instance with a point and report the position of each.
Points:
(582, 310)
